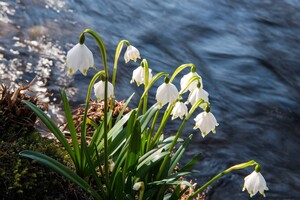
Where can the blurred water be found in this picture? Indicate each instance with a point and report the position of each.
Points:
(247, 53)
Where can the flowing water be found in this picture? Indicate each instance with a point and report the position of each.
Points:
(247, 53)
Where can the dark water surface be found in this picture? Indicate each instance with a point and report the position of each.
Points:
(247, 53)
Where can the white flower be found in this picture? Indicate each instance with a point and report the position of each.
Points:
(166, 93)
(138, 186)
(180, 110)
(138, 75)
(197, 94)
(185, 79)
(79, 58)
(99, 90)
(254, 183)
(206, 122)
(131, 53)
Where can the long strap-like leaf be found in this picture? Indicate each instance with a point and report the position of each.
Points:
(60, 168)
(52, 127)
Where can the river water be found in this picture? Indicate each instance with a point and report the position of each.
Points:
(247, 53)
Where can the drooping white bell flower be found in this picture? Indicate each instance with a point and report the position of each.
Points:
(99, 90)
(185, 79)
(166, 93)
(138, 75)
(197, 94)
(138, 186)
(206, 122)
(131, 53)
(254, 183)
(180, 110)
(79, 58)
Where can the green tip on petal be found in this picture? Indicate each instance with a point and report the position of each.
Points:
(244, 188)
(70, 70)
(98, 99)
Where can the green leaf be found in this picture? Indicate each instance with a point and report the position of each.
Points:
(133, 134)
(92, 168)
(191, 163)
(178, 192)
(150, 163)
(98, 136)
(71, 126)
(178, 154)
(60, 168)
(170, 181)
(124, 107)
(52, 127)
(145, 119)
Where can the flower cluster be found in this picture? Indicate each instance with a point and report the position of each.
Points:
(81, 58)
(128, 153)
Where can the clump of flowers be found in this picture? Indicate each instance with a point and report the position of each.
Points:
(130, 156)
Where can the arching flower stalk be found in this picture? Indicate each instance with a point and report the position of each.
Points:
(185, 79)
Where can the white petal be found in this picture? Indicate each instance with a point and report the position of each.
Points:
(99, 90)
(179, 110)
(166, 93)
(185, 79)
(79, 57)
(206, 122)
(131, 53)
(254, 183)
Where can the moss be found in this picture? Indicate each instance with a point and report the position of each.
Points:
(22, 178)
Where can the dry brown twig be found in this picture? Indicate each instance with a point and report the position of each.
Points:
(20, 88)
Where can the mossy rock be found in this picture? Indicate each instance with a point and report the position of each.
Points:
(23, 178)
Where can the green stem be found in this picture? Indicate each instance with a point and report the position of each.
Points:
(235, 167)
(179, 69)
(192, 110)
(152, 129)
(153, 80)
(145, 65)
(161, 169)
(141, 192)
(103, 53)
(117, 55)
(162, 124)
(87, 100)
